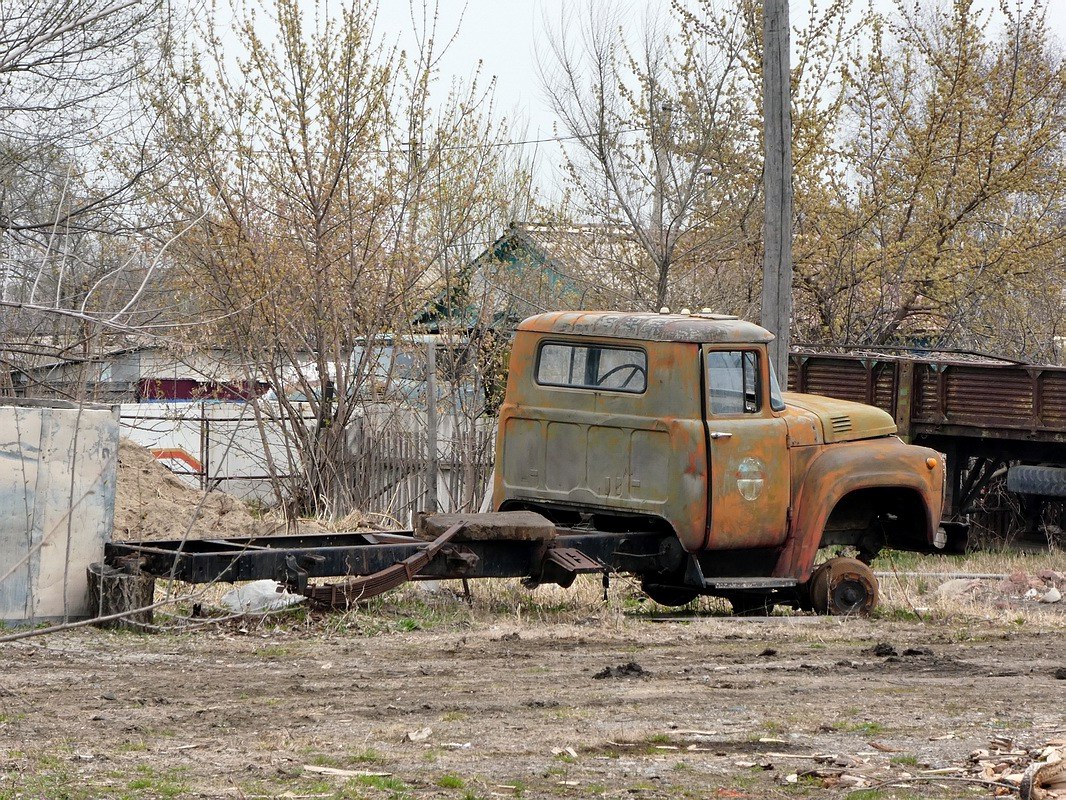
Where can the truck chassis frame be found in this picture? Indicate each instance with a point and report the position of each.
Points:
(375, 562)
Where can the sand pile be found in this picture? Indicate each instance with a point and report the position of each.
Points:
(153, 503)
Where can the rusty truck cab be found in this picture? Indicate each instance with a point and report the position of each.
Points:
(631, 418)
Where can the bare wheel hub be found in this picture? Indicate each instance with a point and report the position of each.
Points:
(843, 586)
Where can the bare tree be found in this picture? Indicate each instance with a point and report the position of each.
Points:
(666, 134)
(658, 129)
(329, 198)
(69, 216)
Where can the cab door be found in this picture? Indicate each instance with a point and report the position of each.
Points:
(748, 451)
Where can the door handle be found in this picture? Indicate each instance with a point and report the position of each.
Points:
(720, 435)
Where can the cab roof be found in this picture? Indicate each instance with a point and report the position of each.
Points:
(701, 327)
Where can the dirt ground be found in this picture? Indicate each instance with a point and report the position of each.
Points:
(545, 694)
(423, 696)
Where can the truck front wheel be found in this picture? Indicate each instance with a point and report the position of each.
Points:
(843, 586)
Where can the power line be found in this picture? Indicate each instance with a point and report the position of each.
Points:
(408, 147)
(524, 142)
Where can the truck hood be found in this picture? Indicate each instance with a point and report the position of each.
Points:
(842, 420)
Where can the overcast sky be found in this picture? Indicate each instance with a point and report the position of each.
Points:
(505, 35)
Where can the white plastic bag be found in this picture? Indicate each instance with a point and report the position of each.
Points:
(260, 597)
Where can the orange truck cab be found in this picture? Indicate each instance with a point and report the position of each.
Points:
(676, 423)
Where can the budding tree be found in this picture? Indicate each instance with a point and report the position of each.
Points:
(667, 139)
(944, 224)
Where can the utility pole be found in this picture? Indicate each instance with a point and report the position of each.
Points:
(777, 183)
(432, 462)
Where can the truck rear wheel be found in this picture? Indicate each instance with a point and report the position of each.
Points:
(665, 595)
(751, 604)
(843, 586)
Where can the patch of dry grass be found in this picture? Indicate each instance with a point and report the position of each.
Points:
(911, 583)
(908, 589)
(991, 562)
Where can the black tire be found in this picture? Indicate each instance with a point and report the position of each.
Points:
(1043, 481)
(751, 604)
(664, 595)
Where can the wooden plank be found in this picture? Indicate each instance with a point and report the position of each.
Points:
(525, 526)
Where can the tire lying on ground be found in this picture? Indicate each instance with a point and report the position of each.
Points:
(1044, 481)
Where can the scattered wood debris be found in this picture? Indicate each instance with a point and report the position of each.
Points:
(1039, 773)
(1006, 767)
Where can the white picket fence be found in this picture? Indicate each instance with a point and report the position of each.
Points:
(394, 460)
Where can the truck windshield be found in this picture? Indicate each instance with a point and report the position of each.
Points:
(777, 403)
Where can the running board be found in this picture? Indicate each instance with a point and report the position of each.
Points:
(694, 578)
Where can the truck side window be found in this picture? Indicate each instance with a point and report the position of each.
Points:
(592, 367)
(733, 382)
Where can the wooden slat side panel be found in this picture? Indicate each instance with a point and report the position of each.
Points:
(980, 396)
(885, 386)
(926, 403)
(1053, 399)
(1003, 396)
(842, 378)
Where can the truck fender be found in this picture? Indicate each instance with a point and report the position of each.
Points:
(847, 467)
